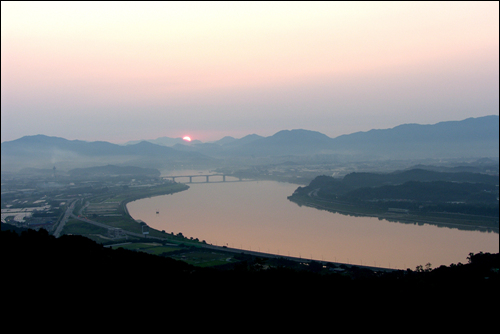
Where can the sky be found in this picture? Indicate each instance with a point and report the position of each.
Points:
(121, 71)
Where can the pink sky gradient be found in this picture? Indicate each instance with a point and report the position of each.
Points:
(120, 71)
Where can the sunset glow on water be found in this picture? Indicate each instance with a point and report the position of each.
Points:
(257, 216)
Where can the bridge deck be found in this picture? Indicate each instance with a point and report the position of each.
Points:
(206, 176)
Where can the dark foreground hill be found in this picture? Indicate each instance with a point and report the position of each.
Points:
(77, 266)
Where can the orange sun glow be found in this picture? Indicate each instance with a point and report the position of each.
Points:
(186, 138)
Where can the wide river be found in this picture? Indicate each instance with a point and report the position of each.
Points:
(258, 216)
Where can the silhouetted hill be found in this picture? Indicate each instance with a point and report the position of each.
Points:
(163, 141)
(474, 137)
(286, 142)
(242, 141)
(225, 140)
(45, 152)
(356, 180)
(430, 192)
(484, 166)
(417, 190)
(76, 265)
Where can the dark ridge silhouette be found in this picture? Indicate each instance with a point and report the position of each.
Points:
(78, 262)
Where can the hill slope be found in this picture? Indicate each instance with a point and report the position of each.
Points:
(45, 152)
(474, 137)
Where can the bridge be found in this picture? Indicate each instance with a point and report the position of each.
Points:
(206, 176)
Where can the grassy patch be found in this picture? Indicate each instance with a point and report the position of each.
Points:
(102, 206)
(163, 249)
(140, 246)
(204, 259)
(74, 226)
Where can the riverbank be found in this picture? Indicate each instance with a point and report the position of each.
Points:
(441, 219)
(105, 217)
(186, 243)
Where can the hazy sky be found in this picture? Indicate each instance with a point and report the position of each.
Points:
(119, 71)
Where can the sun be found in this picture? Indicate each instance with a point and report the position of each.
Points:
(187, 138)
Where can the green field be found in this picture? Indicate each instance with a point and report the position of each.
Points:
(110, 209)
(90, 231)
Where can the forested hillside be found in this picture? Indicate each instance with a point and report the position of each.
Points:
(416, 190)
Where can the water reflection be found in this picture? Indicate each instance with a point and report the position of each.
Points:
(258, 216)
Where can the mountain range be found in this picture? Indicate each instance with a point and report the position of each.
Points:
(42, 151)
(472, 137)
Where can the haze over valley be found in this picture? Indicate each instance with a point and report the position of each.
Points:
(467, 139)
(303, 157)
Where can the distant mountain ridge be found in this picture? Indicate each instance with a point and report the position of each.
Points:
(476, 137)
(286, 142)
(163, 141)
(39, 144)
(472, 137)
(479, 136)
(44, 152)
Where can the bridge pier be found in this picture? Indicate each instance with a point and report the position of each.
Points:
(223, 178)
(207, 178)
(190, 179)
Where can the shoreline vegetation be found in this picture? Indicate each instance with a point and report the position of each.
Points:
(462, 200)
(440, 219)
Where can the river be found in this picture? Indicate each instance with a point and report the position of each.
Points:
(257, 216)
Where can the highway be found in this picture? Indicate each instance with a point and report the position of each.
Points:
(64, 219)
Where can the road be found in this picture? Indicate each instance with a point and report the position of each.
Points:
(64, 219)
